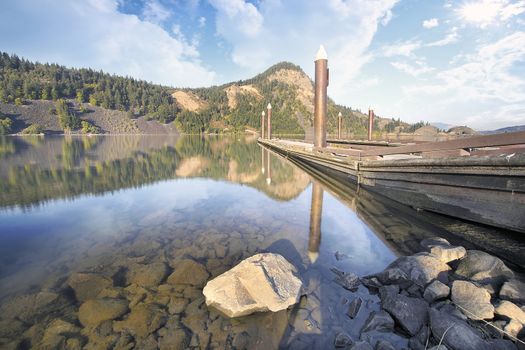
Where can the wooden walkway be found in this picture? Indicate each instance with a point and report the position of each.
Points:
(479, 179)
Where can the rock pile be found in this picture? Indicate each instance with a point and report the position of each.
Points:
(430, 303)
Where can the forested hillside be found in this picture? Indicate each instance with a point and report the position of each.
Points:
(231, 107)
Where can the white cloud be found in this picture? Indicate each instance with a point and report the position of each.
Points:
(94, 34)
(401, 49)
(155, 12)
(450, 38)
(483, 13)
(202, 22)
(483, 84)
(261, 36)
(415, 70)
(430, 23)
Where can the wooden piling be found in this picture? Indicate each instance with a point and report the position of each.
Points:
(320, 98)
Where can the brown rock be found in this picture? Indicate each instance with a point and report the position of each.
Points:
(448, 253)
(88, 285)
(189, 272)
(510, 310)
(148, 275)
(142, 321)
(484, 268)
(94, 312)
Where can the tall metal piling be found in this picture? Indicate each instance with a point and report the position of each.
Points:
(339, 125)
(370, 123)
(320, 98)
(262, 124)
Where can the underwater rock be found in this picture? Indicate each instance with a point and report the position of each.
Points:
(142, 320)
(263, 282)
(88, 285)
(147, 275)
(189, 272)
(94, 312)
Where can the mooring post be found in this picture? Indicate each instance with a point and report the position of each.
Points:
(320, 98)
(262, 124)
(268, 168)
(316, 212)
(339, 125)
(269, 131)
(370, 123)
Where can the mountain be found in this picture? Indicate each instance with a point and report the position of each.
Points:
(503, 130)
(53, 98)
(442, 126)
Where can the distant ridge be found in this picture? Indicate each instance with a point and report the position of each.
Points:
(502, 130)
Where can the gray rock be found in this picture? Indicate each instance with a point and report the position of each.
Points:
(393, 276)
(473, 301)
(378, 321)
(483, 268)
(513, 290)
(189, 272)
(353, 307)
(448, 253)
(372, 283)
(342, 340)
(451, 310)
(455, 333)
(509, 311)
(419, 341)
(148, 275)
(388, 290)
(439, 347)
(502, 344)
(436, 290)
(361, 345)
(88, 285)
(263, 282)
(420, 269)
(384, 345)
(410, 313)
(428, 243)
(347, 280)
(94, 312)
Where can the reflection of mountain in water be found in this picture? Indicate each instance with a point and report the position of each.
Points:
(37, 169)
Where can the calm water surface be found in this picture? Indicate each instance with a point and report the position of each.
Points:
(99, 209)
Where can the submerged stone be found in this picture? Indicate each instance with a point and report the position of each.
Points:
(88, 285)
(94, 312)
(147, 275)
(189, 272)
(263, 282)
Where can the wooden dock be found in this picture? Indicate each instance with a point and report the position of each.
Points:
(479, 179)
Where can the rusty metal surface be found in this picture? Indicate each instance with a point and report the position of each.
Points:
(262, 124)
(316, 213)
(514, 138)
(320, 102)
(269, 119)
(370, 123)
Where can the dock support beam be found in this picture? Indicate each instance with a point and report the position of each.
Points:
(370, 123)
(320, 98)
(269, 118)
(262, 124)
(316, 212)
(339, 125)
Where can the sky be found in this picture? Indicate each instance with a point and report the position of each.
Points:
(458, 62)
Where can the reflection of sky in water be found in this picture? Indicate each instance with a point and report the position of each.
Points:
(65, 229)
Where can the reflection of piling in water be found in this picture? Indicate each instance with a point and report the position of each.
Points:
(268, 168)
(262, 160)
(262, 124)
(320, 97)
(316, 212)
(370, 123)
(269, 131)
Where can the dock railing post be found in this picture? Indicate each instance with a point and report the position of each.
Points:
(339, 125)
(316, 212)
(262, 124)
(320, 97)
(269, 129)
(370, 123)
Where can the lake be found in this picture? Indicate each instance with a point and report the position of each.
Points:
(114, 216)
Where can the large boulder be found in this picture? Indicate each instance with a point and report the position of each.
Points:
(420, 269)
(94, 312)
(483, 268)
(473, 301)
(455, 333)
(263, 282)
(189, 272)
(513, 290)
(410, 313)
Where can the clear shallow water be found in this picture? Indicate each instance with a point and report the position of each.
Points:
(109, 205)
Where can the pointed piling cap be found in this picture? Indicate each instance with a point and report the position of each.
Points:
(321, 54)
(340, 115)
(269, 106)
(262, 113)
